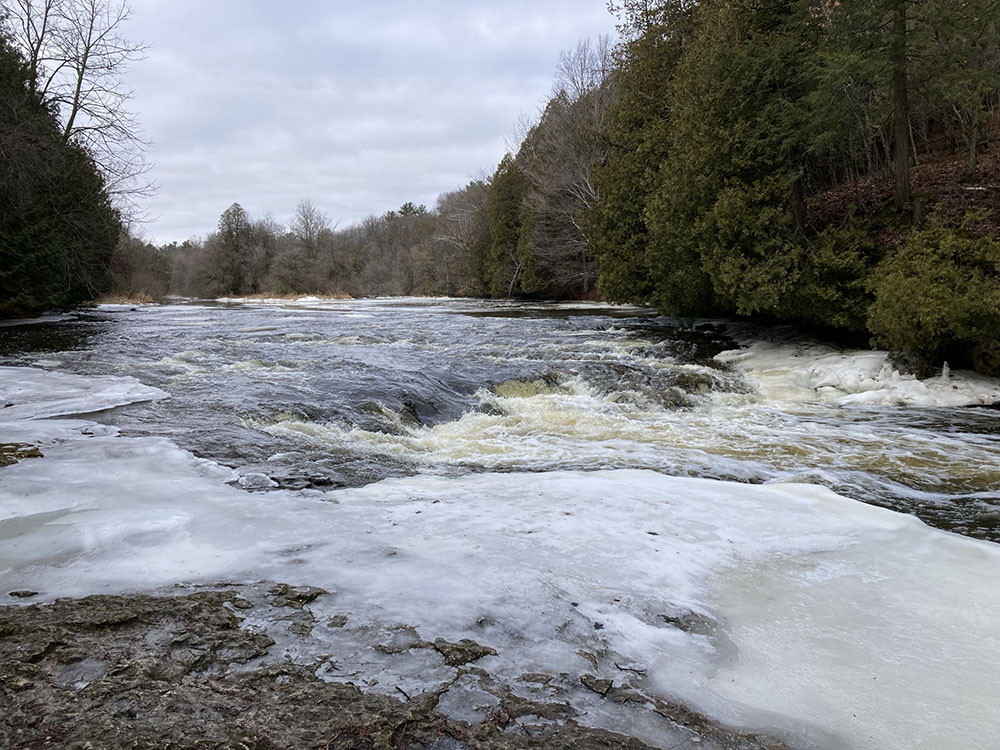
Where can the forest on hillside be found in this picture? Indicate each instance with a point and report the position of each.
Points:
(830, 164)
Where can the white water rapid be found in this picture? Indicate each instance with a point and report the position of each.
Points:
(774, 604)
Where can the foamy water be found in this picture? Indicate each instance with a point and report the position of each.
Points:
(584, 493)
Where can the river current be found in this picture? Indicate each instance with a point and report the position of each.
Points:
(323, 395)
(786, 537)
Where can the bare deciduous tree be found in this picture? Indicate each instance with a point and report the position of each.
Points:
(559, 156)
(584, 68)
(309, 225)
(78, 57)
(461, 238)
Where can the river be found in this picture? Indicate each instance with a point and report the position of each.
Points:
(782, 535)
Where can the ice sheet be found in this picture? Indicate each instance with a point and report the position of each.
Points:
(123, 306)
(47, 318)
(426, 302)
(29, 393)
(308, 299)
(814, 372)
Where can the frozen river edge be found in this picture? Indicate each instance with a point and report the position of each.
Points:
(615, 592)
(180, 671)
(173, 665)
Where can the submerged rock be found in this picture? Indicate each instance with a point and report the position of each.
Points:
(599, 686)
(294, 596)
(690, 622)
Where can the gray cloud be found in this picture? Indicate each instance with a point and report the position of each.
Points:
(356, 108)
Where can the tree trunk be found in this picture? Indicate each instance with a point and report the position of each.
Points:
(900, 107)
(973, 137)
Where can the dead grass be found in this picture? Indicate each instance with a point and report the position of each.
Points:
(124, 299)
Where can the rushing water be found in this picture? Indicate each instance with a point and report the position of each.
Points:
(346, 393)
(593, 492)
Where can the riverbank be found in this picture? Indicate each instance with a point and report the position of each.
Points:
(185, 671)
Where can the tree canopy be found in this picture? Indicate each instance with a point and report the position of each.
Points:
(58, 229)
(792, 160)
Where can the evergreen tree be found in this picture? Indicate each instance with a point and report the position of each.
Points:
(232, 250)
(506, 265)
(57, 227)
(637, 134)
(726, 220)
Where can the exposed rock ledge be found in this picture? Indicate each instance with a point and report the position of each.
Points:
(180, 671)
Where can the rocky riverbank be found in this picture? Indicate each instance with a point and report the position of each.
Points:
(188, 671)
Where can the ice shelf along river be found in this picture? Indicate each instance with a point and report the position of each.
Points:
(782, 536)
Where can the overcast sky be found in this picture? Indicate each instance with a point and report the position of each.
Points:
(358, 108)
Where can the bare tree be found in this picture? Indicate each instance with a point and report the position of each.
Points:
(309, 226)
(263, 241)
(558, 158)
(584, 68)
(461, 238)
(78, 57)
(523, 125)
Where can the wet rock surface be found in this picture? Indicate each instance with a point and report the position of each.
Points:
(11, 453)
(23, 594)
(296, 597)
(187, 671)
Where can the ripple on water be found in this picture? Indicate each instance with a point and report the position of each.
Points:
(359, 390)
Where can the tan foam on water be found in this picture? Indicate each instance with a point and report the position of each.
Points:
(526, 388)
(536, 425)
(253, 365)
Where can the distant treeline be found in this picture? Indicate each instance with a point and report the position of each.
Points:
(726, 157)
(400, 252)
(829, 163)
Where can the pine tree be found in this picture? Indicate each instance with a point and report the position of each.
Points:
(637, 134)
(726, 220)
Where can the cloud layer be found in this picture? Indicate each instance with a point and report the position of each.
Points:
(357, 108)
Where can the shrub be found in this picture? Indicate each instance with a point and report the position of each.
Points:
(832, 289)
(938, 296)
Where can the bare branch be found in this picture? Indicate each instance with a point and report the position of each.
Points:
(78, 58)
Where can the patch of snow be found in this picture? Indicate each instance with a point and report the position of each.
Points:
(256, 481)
(123, 306)
(287, 301)
(594, 305)
(48, 318)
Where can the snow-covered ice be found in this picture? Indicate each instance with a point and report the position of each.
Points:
(30, 393)
(813, 372)
(47, 318)
(839, 624)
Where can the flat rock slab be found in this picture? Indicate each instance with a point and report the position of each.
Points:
(180, 672)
